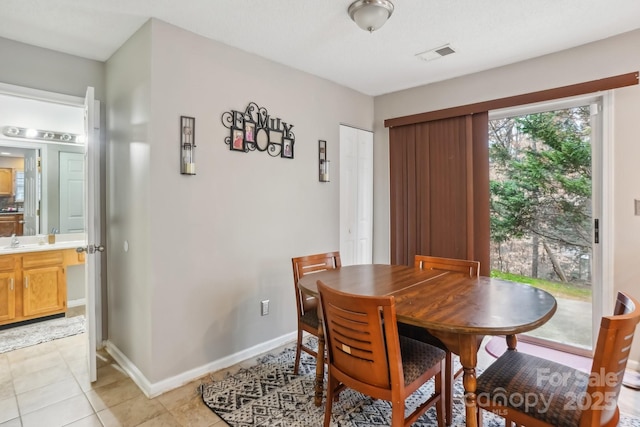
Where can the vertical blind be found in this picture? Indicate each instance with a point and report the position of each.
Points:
(440, 189)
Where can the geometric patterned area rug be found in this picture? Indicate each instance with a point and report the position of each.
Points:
(36, 333)
(268, 394)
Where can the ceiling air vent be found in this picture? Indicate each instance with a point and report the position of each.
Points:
(436, 53)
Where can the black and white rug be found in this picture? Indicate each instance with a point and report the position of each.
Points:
(36, 333)
(268, 394)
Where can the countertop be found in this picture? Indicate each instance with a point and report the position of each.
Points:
(30, 244)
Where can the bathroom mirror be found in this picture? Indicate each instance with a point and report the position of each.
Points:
(53, 192)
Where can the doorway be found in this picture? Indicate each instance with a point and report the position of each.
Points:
(356, 196)
(546, 211)
(62, 115)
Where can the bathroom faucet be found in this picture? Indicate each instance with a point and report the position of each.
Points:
(14, 241)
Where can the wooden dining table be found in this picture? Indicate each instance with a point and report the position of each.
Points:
(457, 309)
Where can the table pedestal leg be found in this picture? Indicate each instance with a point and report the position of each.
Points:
(319, 386)
(469, 360)
(512, 342)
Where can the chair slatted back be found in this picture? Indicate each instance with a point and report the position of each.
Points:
(426, 262)
(359, 343)
(610, 361)
(312, 264)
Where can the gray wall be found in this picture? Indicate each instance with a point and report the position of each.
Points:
(204, 250)
(45, 69)
(129, 211)
(75, 282)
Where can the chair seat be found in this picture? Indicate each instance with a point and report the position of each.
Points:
(417, 358)
(310, 318)
(545, 390)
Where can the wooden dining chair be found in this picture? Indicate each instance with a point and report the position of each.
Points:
(426, 262)
(306, 305)
(366, 353)
(531, 391)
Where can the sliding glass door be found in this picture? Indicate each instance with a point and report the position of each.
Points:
(545, 210)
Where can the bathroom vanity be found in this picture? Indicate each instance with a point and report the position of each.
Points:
(33, 280)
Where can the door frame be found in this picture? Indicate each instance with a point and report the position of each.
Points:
(92, 298)
(602, 185)
(356, 195)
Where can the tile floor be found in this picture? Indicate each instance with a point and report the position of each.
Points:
(47, 386)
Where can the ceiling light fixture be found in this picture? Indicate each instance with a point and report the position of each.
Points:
(43, 135)
(370, 14)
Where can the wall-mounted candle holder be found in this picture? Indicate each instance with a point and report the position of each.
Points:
(187, 145)
(323, 162)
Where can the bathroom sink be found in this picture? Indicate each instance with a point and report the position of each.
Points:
(20, 247)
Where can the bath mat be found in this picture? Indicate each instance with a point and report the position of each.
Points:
(36, 333)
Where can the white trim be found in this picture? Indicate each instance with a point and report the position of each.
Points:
(152, 390)
(539, 107)
(607, 288)
(41, 95)
(76, 302)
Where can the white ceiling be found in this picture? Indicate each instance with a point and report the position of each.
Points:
(317, 36)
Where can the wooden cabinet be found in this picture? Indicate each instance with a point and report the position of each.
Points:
(7, 289)
(11, 224)
(34, 284)
(6, 182)
(44, 284)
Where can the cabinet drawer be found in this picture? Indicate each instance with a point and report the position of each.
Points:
(7, 263)
(39, 259)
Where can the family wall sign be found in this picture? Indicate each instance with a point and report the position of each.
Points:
(254, 129)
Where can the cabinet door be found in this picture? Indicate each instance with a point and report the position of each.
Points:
(6, 182)
(44, 291)
(7, 296)
(7, 225)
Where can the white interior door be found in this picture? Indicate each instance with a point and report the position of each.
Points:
(92, 231)
(356, 196)
(72, 197)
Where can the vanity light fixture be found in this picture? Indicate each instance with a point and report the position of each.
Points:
(187, 145)
(42, 135)
(370, 14)
(323, 162)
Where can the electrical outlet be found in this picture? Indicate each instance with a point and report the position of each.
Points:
(265, 307)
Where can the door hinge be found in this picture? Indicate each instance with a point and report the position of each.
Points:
(596, 231)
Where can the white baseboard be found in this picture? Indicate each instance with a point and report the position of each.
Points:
(152, 390)
(76, 302)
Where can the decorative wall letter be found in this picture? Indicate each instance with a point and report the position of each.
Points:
(253, 129)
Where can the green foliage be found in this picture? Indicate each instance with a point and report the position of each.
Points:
(542, 177)
(557, 289)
